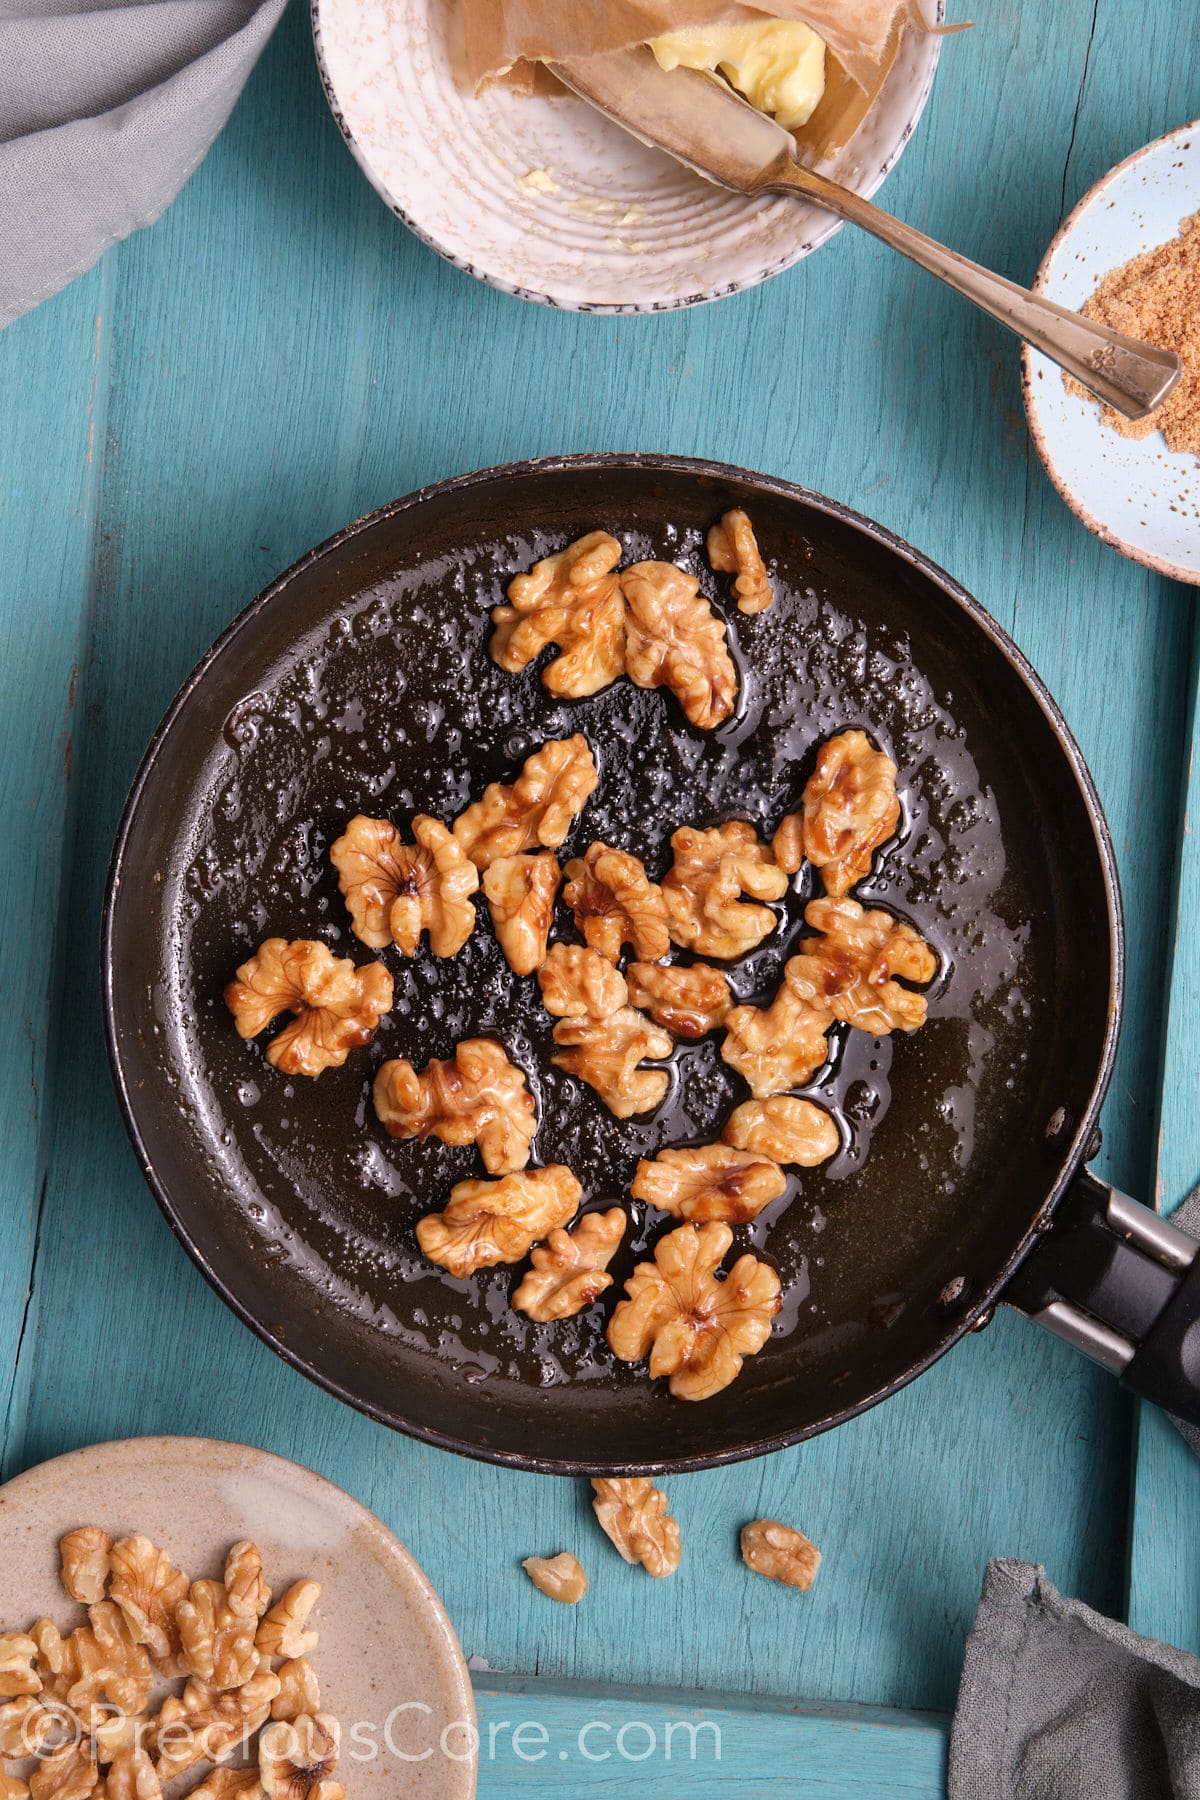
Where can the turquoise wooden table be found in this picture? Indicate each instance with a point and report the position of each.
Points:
(278, 356)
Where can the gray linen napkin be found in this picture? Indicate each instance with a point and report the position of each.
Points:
(104, 113)
(1060, 1703)
(1057, 1702)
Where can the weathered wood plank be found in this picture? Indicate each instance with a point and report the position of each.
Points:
(55, 366)
(545, 1738)
(1164, 1581)
(284, 358)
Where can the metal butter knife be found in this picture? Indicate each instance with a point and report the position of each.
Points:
(702, 122)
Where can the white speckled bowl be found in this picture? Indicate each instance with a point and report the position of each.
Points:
(618, 227)
(1135, 494)
(385, 1640)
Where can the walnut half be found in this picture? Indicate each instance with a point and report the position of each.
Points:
(572, 599)
(707, 886)
(785, 1129)
(475, 1097)
(689, 1001)
(608, 1054)
(521, 891)
(633, 1515)
(85, 1563)
(537, 809)
(733, 550)
(674, 639)
(396, 891)
(614, 904)
(695, 1327)
(778, 1552)
(709, 1181)
(490, 1222)
(779, 1046)
(568, 1271)
(850, 809)
(337, 1007)
(854, 961)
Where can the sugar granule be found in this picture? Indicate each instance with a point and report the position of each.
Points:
(1156, 297)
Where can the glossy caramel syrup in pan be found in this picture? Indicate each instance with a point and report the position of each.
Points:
(396, 707)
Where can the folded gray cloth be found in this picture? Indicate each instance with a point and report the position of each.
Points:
(1059, 1703)
(104, 113)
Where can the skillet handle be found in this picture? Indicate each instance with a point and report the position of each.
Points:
(1121, 1284)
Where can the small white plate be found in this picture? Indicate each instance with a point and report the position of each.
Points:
(1134, 493)
(385, 1641)
(545, 199)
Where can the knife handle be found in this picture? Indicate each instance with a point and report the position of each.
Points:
(1129, 376)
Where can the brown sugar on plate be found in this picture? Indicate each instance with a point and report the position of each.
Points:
(1156, 297)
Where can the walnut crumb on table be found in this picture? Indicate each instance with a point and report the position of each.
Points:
(559, 1577)
(780, 1553)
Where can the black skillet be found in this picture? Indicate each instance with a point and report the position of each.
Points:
(361, 681)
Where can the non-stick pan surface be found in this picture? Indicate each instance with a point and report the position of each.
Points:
(361, 681)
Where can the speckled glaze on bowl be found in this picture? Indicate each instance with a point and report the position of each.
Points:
(605, 224)
(385, 1640)
(1135, 494)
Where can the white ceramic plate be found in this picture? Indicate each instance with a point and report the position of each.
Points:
(1134, 493)
(385, 1640)
(544, 198)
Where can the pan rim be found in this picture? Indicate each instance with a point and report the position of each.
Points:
(975, 1316)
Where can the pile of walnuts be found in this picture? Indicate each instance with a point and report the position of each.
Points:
(616, 1028)
(87, 1705)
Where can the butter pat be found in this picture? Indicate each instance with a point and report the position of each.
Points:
(778, 66)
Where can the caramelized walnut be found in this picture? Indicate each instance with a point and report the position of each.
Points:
(785, 1129)
(572, 599)
(84, 1557)
(687, 1001)
(705, 887)
(733, 550)
(69, 1773)
(779, 1046)
(615, 904)
(521, 891)
(285, 1630)
(337, 1007)
(396, 891)
(781, 1554)
(850, 808)
(246, 1589)
(560, 1577)
(475, 1097)
(696, 1327)
(568, 1272)
(608, 1053)
(709, 1181)
(537, 809)
(293, 1756)
(674, 639)
(633, 1515)
(148, 1587)
(17, 1673)
(299, 1690)
(218, 1643)
(854, 962)
(490, 1222)
(578, 983)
